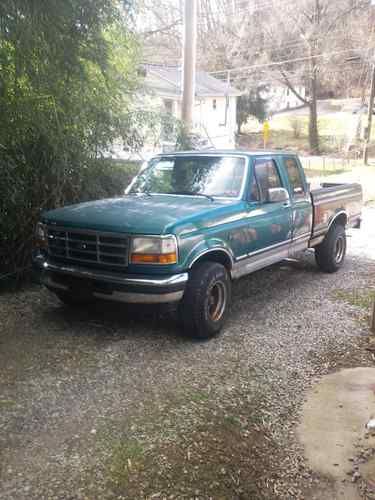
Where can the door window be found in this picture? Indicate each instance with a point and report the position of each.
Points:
(267, 177)
(254, 191)
(295, 178)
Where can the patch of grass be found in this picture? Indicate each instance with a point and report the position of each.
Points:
(218, 448)
(231, 421)
(127, 458)
(311, 173)
(363, 298)
(215, 459)
(279, 139)
(285, 140)
(6, 403)
(198, 396)
(290, 131)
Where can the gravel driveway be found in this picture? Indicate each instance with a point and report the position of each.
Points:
(112, 402)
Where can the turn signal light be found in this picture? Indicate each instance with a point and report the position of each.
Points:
(142, 258)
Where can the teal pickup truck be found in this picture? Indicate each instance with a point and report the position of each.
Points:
(189, 224)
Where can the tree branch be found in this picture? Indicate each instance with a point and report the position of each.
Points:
(163, 29)
(292, 88)
(345, 13)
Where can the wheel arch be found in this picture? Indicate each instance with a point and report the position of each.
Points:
(340, 217)
(219, 255)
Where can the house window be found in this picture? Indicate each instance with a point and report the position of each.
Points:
(168, 106)
(214, 104)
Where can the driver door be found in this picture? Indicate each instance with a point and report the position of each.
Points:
(270, 223)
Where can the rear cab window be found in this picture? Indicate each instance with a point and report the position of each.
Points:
(266, 176)
(294, 174)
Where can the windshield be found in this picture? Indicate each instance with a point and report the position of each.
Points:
(220, 176)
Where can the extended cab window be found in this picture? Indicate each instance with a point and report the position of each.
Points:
(267, 177)
(295, 177)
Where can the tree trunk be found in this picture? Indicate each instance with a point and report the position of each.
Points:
(314, 49)
(313, 129)
(313, 108)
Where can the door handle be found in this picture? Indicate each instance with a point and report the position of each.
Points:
(286, 204)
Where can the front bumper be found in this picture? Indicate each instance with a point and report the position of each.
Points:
(131, 288)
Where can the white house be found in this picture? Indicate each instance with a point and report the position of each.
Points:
(281, 98)
(215, 103)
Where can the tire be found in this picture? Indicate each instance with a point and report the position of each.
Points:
(330, 254)
(205, 305)
(69, 299)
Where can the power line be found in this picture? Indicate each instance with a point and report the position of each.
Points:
(292, 78)
(253, 10)
(287, 61)
(241, 7)
(269, 80)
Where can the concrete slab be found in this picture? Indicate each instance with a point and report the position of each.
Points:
(332, 427)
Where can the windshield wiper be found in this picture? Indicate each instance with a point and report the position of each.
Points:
(194, 193)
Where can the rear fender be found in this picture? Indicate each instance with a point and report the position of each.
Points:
(339, 217)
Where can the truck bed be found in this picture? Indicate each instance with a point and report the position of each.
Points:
(332, 200)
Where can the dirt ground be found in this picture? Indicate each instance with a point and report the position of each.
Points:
(113, 402)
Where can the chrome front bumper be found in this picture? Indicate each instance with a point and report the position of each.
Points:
(141, 289)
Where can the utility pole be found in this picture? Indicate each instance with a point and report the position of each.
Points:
(190, 50)
(227, 98)
(369, 119)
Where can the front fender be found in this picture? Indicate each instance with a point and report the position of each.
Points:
(206, 247)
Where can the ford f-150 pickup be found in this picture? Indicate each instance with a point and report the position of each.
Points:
(189, 224)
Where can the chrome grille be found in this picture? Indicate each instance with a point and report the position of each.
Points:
(88, 246)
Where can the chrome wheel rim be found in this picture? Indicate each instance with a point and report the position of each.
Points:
(217, 300)
(339, 250)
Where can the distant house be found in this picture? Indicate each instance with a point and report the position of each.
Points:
(281, 98)
(215, 104)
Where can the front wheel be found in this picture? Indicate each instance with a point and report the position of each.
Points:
(330, 254)
(205, 305)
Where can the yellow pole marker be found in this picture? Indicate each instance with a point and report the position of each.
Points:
(266, 133)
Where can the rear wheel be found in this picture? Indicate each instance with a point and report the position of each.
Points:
(330, 254)
(205, 305)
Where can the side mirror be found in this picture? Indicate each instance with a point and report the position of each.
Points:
(278, 195)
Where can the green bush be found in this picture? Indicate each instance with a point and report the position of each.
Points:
(28, 188)
(68, 75)
(107, 179)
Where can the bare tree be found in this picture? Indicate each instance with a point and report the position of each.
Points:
(239, 33)
(159, 27)
(316, 24)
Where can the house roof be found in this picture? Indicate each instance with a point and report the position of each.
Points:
(166, 81)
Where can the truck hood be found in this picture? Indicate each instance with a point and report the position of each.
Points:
(156, 214)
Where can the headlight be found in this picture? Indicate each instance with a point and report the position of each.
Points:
(41, 234)
(154, 250)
